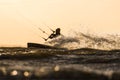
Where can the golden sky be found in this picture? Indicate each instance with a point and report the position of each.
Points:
(18, 17)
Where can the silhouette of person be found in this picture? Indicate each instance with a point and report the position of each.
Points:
(54, 34)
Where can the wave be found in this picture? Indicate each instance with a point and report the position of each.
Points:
(84, 40)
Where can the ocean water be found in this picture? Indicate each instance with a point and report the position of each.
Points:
(86, 57)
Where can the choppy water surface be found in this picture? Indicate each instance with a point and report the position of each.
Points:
(86, 58)
(50, 64)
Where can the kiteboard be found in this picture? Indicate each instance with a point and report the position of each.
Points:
(43, 46)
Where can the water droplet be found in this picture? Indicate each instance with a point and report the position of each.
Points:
(56, 68)
(14, 72)
(26, 74)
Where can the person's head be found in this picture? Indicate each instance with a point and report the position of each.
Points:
(58, 31)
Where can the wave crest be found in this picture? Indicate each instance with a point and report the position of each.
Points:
(82, 40)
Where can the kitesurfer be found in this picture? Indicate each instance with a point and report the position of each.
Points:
(54, 34)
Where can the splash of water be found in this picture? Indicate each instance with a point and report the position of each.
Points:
(82, 40)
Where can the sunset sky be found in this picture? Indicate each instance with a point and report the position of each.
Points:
(20, 19)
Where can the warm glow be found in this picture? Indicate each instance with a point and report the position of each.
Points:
(26, 74)
(56, 68)
(14, 73)
(18, 17)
